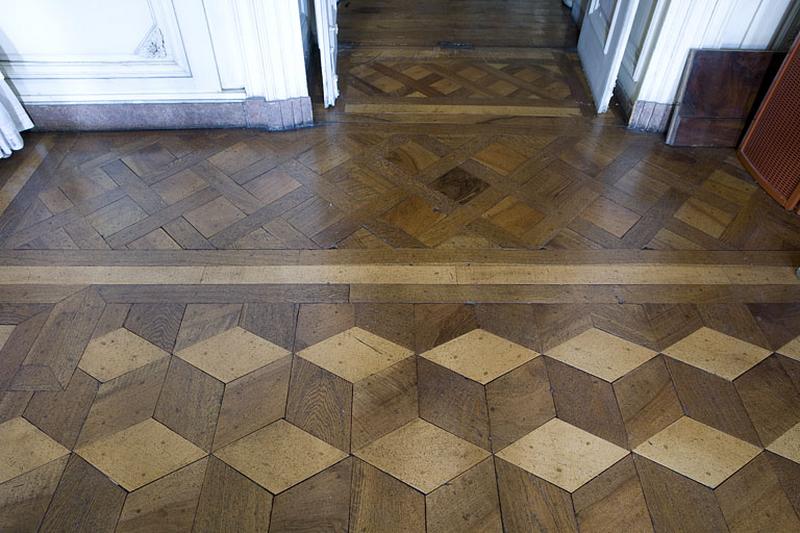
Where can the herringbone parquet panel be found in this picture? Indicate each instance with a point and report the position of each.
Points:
(359, 186)
(399, 417)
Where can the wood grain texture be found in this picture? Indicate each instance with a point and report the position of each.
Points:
(168, 503)
(530, 503)
(253, 401)
(677, 503)
(469, 501)
(712, 400)
(380, 502)
(69, 327)
(85, 500)
(321, 403)
(61, 414)
(189, 403)
(321, 502)
(230, 502)
(587, 402)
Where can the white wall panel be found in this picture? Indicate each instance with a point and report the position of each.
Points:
(680, 25)
(98, 51)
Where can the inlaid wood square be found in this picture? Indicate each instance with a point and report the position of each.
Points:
(232, 354)
(422, 455)
(412, 157)
(513, 216)
(562, 454)
(279, 456)
(703, 216)
(788, 444)
(480, 356)
(459, 185)
(140, 454)
(601, 354)
(214, 216)
(500, 158)
(610, 216)
(355, 354)
(413, 215)
(697, 451)
(116, 353)
(23, 447)
(717, 353)
(179, 186)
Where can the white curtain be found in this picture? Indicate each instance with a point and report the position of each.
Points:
(13, 119)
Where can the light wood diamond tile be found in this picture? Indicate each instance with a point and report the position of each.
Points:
(788, 444)
(140, 454)
(563, 454)
(480, 356)
(355, 354)
(704, 217)
(500, 158)
(717, 353)
(422, 455)
(280, 456)
(601, 354)
(697, 451)
(790, 349)
(117, 353)
(23, 447)
(5, 333)
(232, 354)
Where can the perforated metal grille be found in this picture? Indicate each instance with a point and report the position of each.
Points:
(772, 145)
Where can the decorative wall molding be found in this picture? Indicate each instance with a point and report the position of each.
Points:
(174, 64)
(250, 113)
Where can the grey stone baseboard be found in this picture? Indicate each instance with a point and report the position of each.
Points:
(651, 117)
(250, 113)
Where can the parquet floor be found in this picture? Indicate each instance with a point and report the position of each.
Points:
(498, 313)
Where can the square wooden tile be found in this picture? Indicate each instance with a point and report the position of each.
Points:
(24, 447)
(703, 216)
(116, 216)
(279, 456)
(562, 454)
(117, 353)
(355, 354)
(480, 356)
(717, 353)
(412, 157)
(788, 444)
(500, 158)
(459, 185)
(790, 349)
(422, 455)
(610, 216)
(697, 451)
(513, 216)
(140, 454)
(179, 186)
(214, 216)
(272, 185)
(601, 354)
(413, 215)
(232, 354)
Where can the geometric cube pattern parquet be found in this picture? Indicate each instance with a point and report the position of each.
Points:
(377, 399)
(407, 417)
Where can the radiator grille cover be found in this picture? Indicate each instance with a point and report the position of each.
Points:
(771, 148)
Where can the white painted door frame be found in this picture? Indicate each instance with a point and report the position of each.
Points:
(601, 46)
(325, 12)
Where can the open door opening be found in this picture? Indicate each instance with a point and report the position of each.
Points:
(601, 45)
(327, 39)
